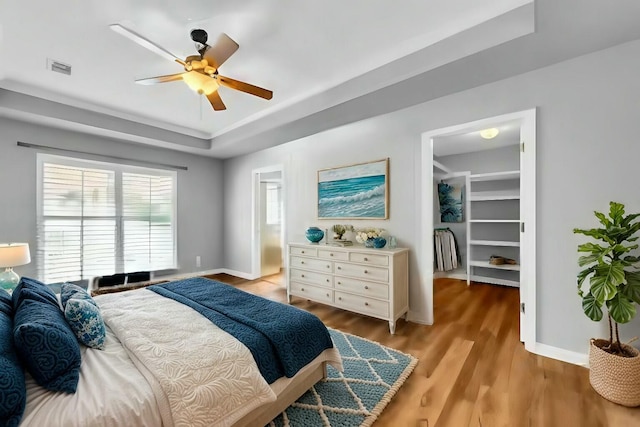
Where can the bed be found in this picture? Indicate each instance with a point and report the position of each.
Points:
(170, 358)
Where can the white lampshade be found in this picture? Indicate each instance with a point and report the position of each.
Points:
(14, 254)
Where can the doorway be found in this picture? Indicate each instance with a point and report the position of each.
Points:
(268, 221)
(500, 213)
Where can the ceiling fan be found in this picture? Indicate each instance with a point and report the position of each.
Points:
(200, 71)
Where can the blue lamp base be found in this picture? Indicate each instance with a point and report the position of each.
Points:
(9, 279)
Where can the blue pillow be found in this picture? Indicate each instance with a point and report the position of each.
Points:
(44, 293)
(13, 391)
(45, 343)
(86, 322)
(69, 290)
(83, 316)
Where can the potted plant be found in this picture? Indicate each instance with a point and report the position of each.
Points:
(614, 283)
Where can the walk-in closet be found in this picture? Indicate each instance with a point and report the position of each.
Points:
(477, 206)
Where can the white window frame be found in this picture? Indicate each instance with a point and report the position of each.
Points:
(119, 169)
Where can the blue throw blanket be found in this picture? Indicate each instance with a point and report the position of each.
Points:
(281, 338)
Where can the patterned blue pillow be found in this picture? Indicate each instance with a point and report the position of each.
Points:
(13, 391)
(86, 322)
(45, 343)
(69, 290)
(83, 315)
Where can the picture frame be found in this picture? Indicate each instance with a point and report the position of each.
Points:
(356, 191)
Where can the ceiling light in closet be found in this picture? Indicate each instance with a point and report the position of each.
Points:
(489, 133)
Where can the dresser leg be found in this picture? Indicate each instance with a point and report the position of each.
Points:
(392, 327)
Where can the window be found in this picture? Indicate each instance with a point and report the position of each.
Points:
(273, 203)
(97, 219)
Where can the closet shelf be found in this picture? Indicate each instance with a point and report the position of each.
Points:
(479, 196)
(494, 176)
(495, 281)
(495, 243)
(485, 264)
(496, 220)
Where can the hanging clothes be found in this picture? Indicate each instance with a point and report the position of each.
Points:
(446, 251)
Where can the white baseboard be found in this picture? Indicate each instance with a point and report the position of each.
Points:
(561, 354)
(415, 319)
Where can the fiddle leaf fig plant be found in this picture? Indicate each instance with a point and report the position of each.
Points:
(614, 279)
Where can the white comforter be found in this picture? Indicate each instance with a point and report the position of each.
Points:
(200, 375)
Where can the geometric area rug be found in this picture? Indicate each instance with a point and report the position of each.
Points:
(372, 375)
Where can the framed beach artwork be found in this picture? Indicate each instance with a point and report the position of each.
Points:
(359, 191)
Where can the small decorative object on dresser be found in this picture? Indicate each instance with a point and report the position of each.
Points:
(314, 234)
(374, 282)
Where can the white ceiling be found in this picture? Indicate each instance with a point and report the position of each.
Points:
(470, 141)
(327, 63)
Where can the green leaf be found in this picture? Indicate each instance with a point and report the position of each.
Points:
(605, 281)
(627, 220)
(632, 289)
(616, 212)
(592, 308)
(590, 247)
(621, 309)
(632, 239)
(588, 259)
(584, 273)
(603, 219)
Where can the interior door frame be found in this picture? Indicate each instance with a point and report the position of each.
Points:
(256, 257)
(528, 270)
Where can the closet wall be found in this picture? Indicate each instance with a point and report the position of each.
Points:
(479, 230)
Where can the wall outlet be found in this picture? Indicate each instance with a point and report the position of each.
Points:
(198, 261)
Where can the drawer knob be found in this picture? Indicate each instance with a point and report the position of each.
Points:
(365, 272)
(366, 287)
(339, 283)
(301, 262)
(330, 254)
(302, 275)
(327, 280)
(327, 294)
(339, 268)
(302, 251)
(328, 266)
(366, 303)
(302, 289)
(340, 298)
(366, 259)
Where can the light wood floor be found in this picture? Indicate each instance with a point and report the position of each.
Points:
(472, 369)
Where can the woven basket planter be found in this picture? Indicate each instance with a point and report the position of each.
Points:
(614, 377)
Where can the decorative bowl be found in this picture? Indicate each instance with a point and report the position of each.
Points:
(314, 234)
(379, 242)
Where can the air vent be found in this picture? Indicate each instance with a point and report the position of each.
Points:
(58, 67)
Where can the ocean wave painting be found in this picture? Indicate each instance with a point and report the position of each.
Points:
(357, 191)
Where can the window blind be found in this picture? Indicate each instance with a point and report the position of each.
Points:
(97, 219)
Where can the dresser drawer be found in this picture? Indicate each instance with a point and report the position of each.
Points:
(311, 264)
(312, 277)
(361, 304)
(329, 254)
(362, 271)
(312, 292)
(367, 289)
(295, 250)
(373, 259)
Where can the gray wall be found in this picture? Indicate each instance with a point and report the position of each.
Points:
(200, 190)
(587, 155)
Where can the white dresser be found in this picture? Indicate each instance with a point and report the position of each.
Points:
(374, 282)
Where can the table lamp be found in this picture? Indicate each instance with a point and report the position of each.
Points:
(12, 255)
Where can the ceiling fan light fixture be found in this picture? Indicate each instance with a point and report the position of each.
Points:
(489, 133)
(200, 83)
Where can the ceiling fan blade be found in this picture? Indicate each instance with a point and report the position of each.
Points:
(244, 87)
(148, 44)
(160, 79)
(221, 50)
(216, 101)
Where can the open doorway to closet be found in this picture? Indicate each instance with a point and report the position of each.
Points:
(478, 207)
(268, 221)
